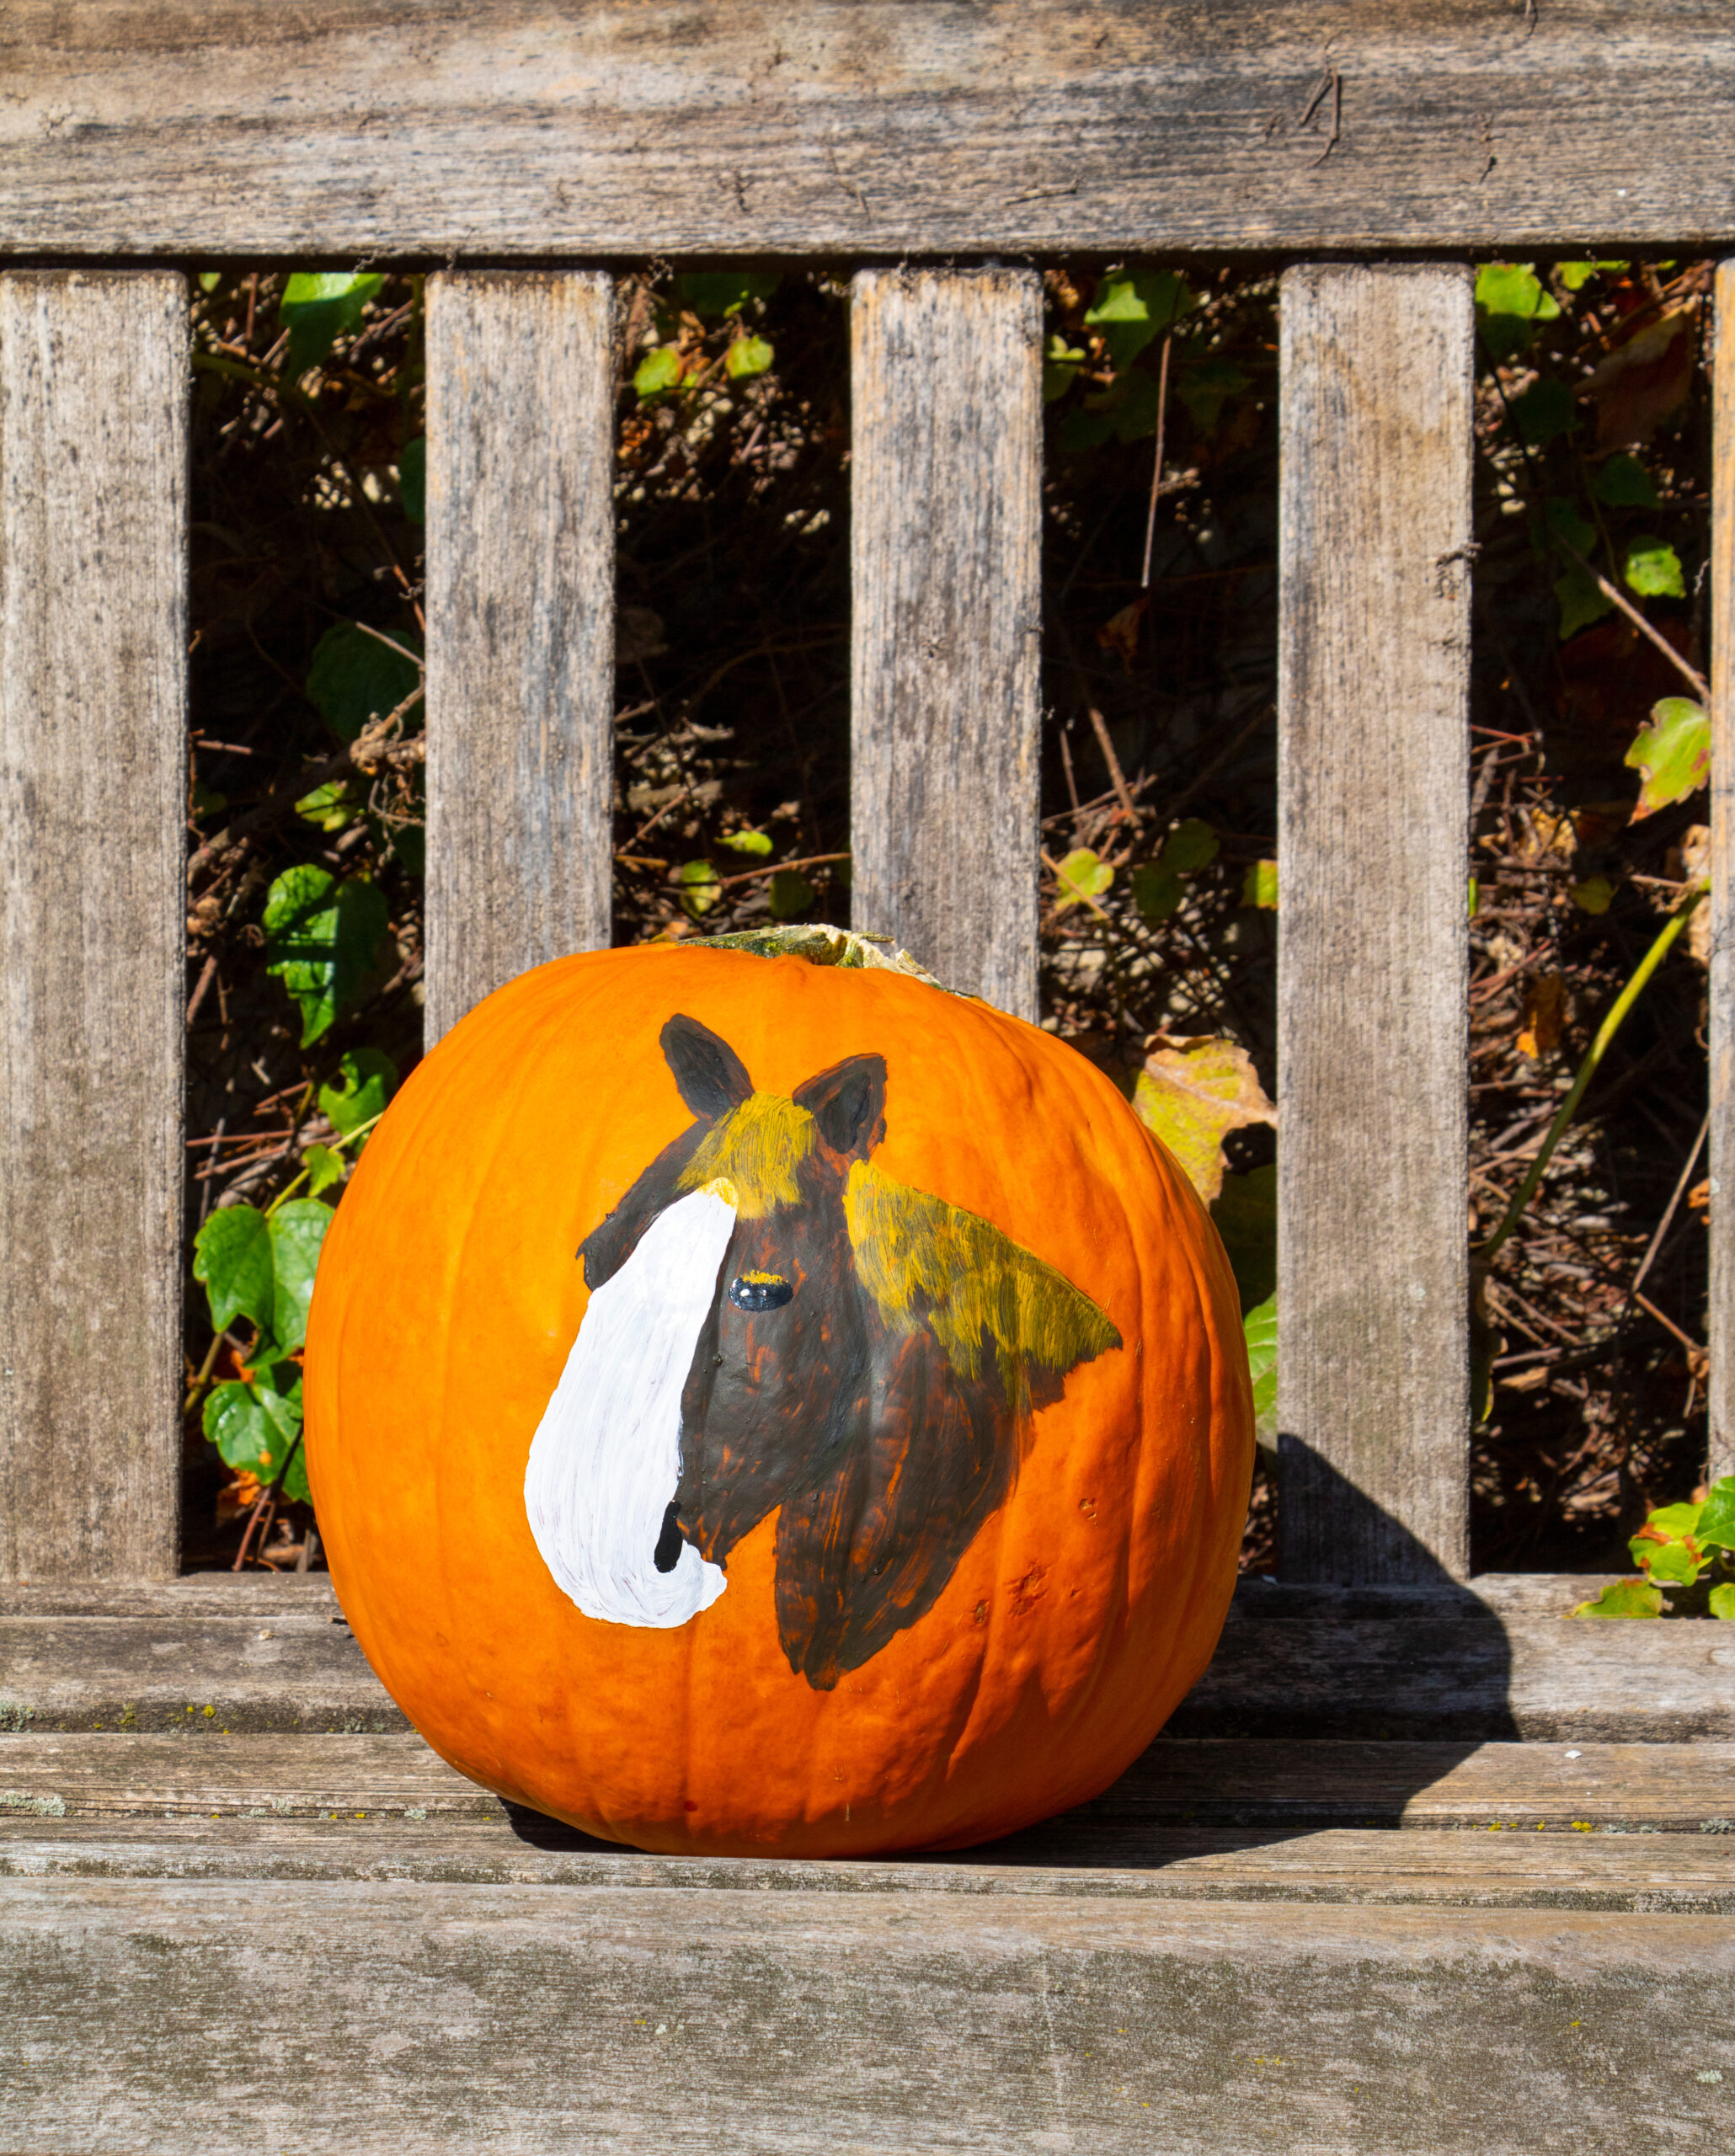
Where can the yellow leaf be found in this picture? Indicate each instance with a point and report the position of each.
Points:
(1191, 1094)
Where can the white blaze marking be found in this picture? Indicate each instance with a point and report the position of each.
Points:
(605, 1458)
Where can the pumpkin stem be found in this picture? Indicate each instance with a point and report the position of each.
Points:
(820, 946)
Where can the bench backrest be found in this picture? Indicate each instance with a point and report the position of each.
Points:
(898, 136)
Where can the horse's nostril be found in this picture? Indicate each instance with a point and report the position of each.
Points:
(670, 1543)
(760, 1291)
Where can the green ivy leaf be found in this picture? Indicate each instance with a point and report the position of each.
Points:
(1595, 895)
(1576, 275)
(1672, 755)
(1624, 1599)
(254, 1427)
(657, 372)
(1061, 362)
(319, 307)
(723, 292)
(1082, 875)
(1510, 301)
(756, 842)
(1158, 891)
(1653, 570)
(790, 894)
(354, 678)
(260, 1266)
(1723, 1600)
(1260, 1327)
(699, 887)
(1244, 1214)
(1131, 311)
(232, 1257)
(297, 1233)
(1561, 519)
(1623, 482)
(412, 479)
(746, 357)
(1259, 886)
(1671, 1564)
(324, 1168)
(1190, 846)
(328, 807)
(1581, 600)
(1715, 1528)
(364, 1079)
(1546, 410)
(320, 940)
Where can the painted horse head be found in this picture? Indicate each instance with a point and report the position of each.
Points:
(775, 1324)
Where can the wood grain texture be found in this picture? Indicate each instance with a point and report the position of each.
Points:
(1647, 1874)
(1254, 1788)
(1719, 1306)
(521, 627)
(945, 551)
(1464, 1674)
(1373, 680)
(93, 781)
(418, 2015)
(506, 128)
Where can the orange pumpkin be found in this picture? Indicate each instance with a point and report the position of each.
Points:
(755, 1405)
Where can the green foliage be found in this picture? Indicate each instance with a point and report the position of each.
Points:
(364, 1079)
(789, 894)
(1245, 1216)
(319, 307)
(256, 1426)
(1082, 877)
(1159, 886)
(260, 1266)
(1260, 1327)
(1510, 301)
(1259, 886)
(413, 478)
(320, 940)
(756, 842)
(1623, 482)
(719, 294)
(657, 372)
(356, 677)
(700, 887)
(1672, 755)
(1624, 1599)
(1130, 310)
(328, 808)
(1545, 410)
(746, 357)
(1685, 1553)
(1653, 570)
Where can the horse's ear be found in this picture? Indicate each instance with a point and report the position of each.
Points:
(712, 1077)
(848, 1103)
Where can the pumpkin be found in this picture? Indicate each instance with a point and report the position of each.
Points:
(762, 1404)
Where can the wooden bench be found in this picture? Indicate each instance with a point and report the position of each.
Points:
(1420, 1866)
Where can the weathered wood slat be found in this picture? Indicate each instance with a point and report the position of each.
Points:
(1720, 1307)
(945, 517)
(1468, 1678)
(863, 126)
(242, 1594)
(1651, 1874)
(1254, 1787)
(92, 808)
(400, 2013)
(521, 627)
(1373, 679)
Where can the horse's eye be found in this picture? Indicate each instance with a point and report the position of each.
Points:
(760, 1291)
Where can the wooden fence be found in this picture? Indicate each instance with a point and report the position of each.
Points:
(1374, 146)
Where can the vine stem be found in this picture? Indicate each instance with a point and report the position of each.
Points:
(1587, 1071)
